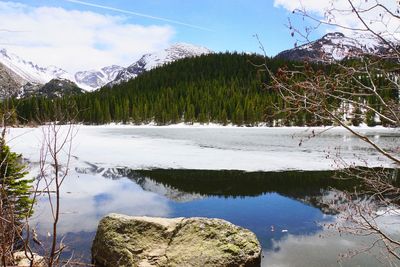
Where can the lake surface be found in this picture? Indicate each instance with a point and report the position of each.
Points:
(249, 149)
(254, 178)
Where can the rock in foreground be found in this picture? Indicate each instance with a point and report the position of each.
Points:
(22, 260)
(145, 241)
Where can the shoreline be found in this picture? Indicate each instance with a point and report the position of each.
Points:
(214, 126)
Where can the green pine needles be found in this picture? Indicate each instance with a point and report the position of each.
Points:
(15, 188)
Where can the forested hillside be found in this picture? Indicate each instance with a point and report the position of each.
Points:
(222, 88)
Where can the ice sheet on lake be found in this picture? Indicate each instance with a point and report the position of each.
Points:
(211, 148)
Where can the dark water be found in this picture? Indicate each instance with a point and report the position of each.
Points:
(284, 209)
(257, 201)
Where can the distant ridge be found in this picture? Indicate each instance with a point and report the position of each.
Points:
(334, 46)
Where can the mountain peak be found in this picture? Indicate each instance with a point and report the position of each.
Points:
(174, 52)
(182, 50)
(153, 60)
(189, 47)
(27, 71)
(332, 35)
(93, 79)
(334, 46)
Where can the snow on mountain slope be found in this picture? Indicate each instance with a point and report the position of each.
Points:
(335, 46)
(25, 72)
(174, 52)
(29, 71)
(93, 79)
(153, 60)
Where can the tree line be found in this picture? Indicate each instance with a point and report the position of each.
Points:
(220, 88)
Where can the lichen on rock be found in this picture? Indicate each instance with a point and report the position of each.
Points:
(146, 241)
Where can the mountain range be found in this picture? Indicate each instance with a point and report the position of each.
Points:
(18, 76)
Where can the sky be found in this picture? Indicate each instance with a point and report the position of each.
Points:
(89, 34)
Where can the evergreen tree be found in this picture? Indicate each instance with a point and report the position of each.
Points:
(14, 186)
(125, 111)
(356, 120)
(370, 118)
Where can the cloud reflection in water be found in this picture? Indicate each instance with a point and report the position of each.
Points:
(86, 198)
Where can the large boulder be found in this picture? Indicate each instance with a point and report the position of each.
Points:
(21, 259)
(145, 241)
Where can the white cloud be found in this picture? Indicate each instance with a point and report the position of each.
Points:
(310, 5)
(91, 197)
(339, 12)
(76, 40)
(323, 249)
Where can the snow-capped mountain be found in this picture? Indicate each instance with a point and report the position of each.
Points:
(94, 79)
(30, 72)
(18, 75)
(153, 60)
(112, 75)
(334, 46)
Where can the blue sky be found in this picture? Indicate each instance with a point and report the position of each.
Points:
(233, 22)
(219, 25)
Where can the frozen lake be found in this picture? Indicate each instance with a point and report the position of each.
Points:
(207, 148)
